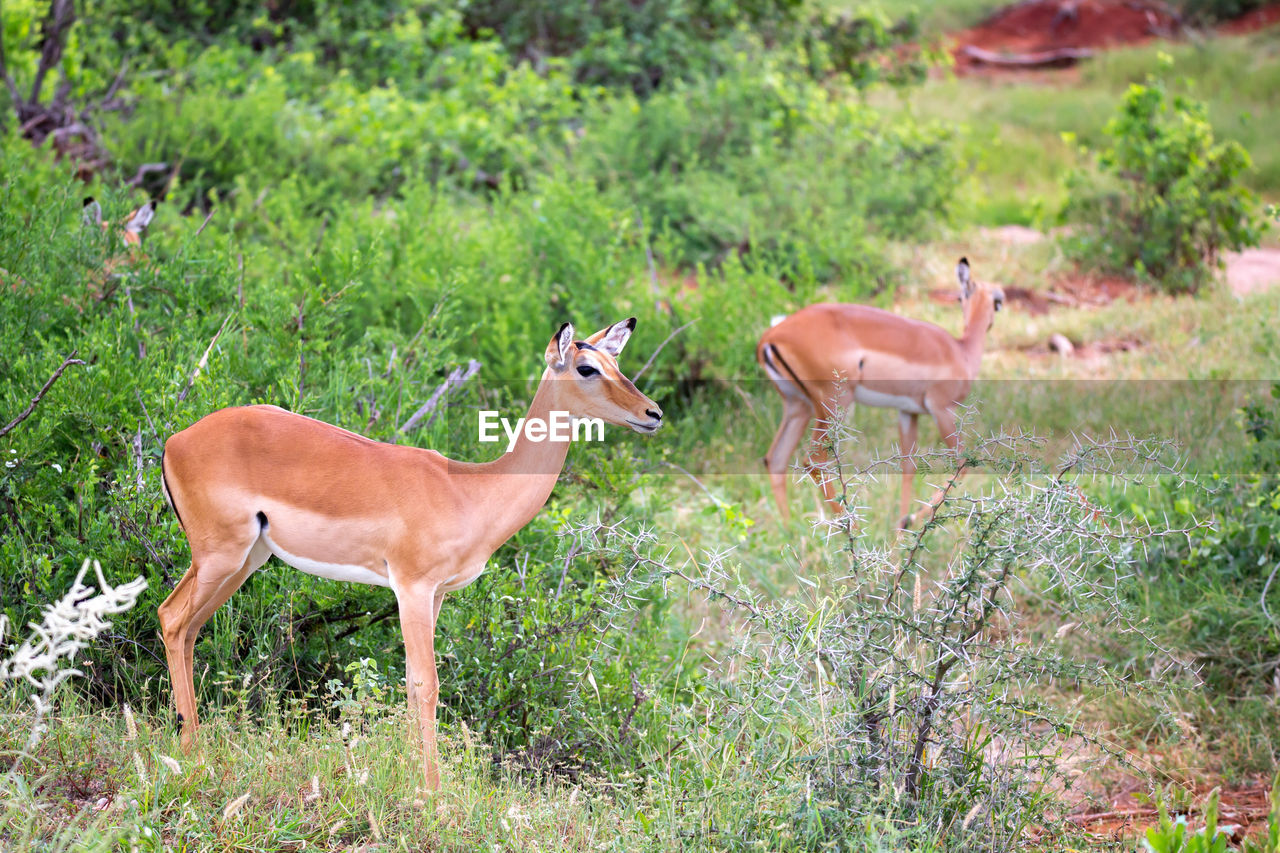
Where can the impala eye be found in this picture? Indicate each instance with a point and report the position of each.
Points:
(587, 370)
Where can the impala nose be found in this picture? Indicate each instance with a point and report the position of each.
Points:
(656, 414)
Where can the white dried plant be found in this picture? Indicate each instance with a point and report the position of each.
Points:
(69, 625)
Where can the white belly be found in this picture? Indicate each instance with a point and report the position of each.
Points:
(868, 397)
(332, 571)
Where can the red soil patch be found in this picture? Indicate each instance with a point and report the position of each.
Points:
(1242, 812)
(1040, 26)
(1250, 22)
(1094, 289)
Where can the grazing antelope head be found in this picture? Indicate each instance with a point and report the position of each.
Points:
(589, 383)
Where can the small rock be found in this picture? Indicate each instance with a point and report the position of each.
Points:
(1061, 344)
(1233, 832)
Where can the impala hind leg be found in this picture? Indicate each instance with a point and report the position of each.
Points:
(418, 611)
(908, 432)
(206, 586)
(818, 465)
(946, 420)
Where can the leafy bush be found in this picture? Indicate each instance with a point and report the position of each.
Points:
(652, 45)
(760, 163)
(302, 331)
(1227, 601)
(1169, 198)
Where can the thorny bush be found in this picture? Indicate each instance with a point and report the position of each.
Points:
(904, 685)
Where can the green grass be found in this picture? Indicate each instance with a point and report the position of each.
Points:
(318, 785)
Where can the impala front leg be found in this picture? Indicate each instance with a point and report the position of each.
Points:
(419, 607)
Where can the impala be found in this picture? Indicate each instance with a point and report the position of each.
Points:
(825, 358)
(131, 228)
(247, 483)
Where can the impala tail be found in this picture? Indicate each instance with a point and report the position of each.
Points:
(775, 366)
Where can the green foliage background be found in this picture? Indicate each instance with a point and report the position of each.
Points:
(392, 191)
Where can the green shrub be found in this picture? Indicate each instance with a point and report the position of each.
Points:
(1226, 600)
(306, 330)
(1169, 198)
(1212, 11)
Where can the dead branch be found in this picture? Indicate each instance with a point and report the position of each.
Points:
(62, 14)
(456, 377)
(144, 170)
(1038, 59)
(35, 401)
(73, 135)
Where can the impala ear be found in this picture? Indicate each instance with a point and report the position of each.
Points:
(614, 338)
(560, 348)
(962, 275)
(92, 212)
(141, 218)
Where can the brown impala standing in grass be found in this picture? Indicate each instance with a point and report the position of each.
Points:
(824, 358)
(250, 482)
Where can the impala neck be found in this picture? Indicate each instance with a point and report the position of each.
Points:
(977, 322)
(512, 489)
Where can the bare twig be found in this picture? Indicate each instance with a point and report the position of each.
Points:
(212, 211)
(35, 401)
(204, 359)
(659, 349)
(302, 351)
(324, 226)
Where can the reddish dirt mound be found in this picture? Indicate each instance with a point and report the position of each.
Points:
(1043, 27)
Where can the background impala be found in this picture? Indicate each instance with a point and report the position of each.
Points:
(824, 358)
